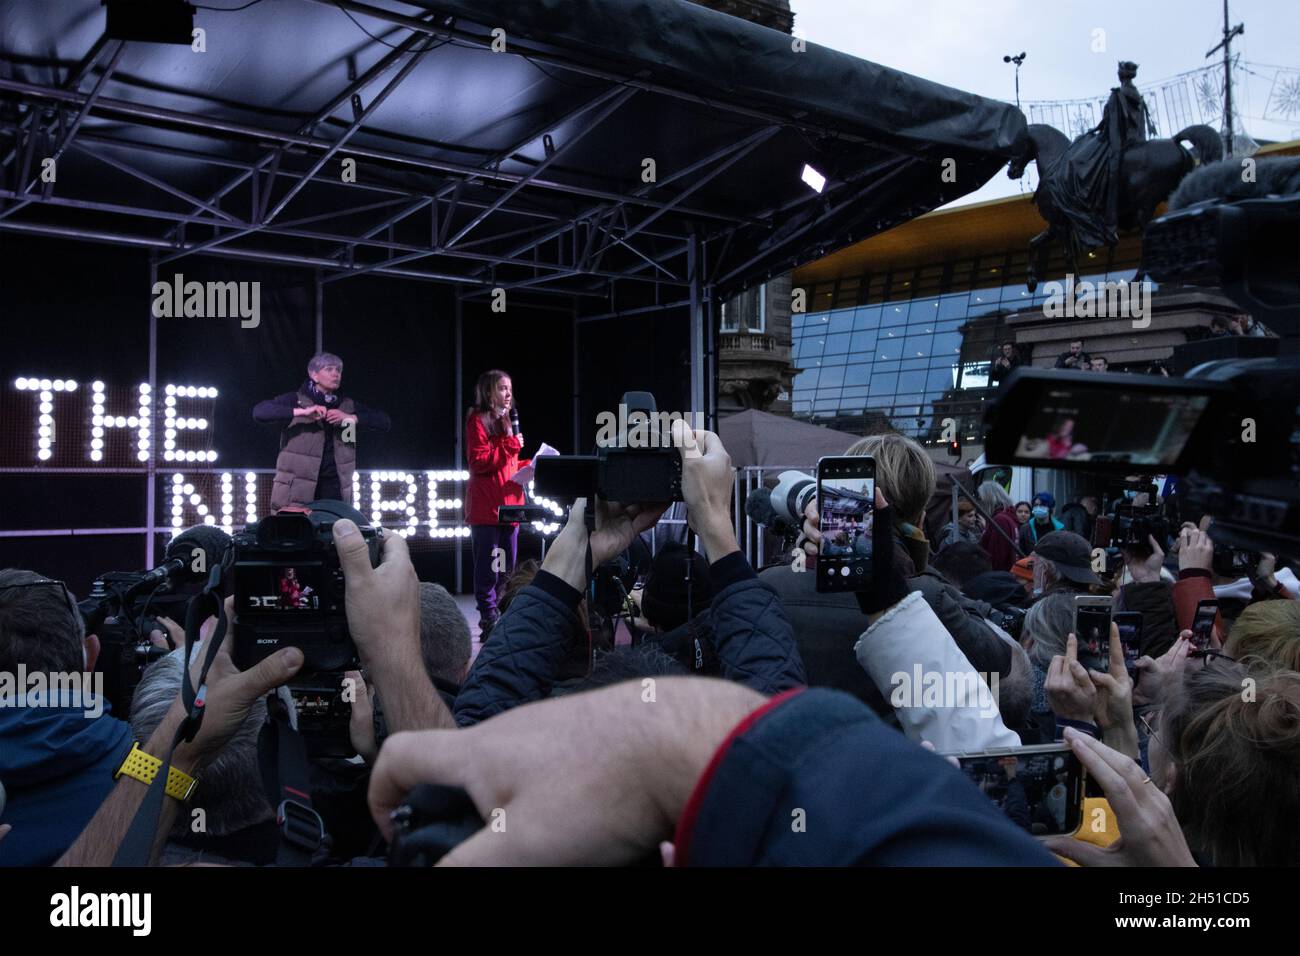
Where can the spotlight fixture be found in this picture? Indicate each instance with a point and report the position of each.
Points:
(813, 178)
(150, 21)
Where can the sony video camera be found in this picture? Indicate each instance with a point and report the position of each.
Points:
(1229, 428)
(123, 625)
(289, 592)
(124, 606)
(640, 465)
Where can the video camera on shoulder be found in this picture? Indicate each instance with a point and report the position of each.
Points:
(289, 592)
(1228, 428)
(1135, 523)
(642, 465)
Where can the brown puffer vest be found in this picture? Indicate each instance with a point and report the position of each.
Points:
(298, 466)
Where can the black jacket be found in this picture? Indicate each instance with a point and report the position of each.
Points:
(522, 659)
(1155, 601)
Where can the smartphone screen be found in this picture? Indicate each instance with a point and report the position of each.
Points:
(1092, 628)
(1203, 624)
(1039, 788)
(846, 491)
(1129, 625)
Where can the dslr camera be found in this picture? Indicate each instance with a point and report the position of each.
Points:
(289, 592)
(640, 465)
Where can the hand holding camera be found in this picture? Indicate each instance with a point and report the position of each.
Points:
(707, 484)
(1195, 549)
(229, 697)
(1145, 569)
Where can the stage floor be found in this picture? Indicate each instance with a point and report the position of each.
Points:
(467, 609)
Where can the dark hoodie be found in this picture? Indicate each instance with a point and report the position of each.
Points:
(57, 767)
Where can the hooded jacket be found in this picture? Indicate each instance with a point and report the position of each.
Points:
(57, 767)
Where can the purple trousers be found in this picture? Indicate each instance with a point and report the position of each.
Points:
(488, 584)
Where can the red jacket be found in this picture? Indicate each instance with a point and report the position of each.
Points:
(1001, 554)
(492, 459)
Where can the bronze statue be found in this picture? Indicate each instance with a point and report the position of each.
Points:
(1110, 178)
(1124, 123)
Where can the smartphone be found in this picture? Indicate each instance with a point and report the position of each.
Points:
(1092, 628)
(846, 495)
(1040, 788)
(1129, 625)
(1203, 624)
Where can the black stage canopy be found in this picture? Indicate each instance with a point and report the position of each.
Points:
(524, 169)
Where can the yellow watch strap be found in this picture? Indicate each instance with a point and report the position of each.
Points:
(144, 767)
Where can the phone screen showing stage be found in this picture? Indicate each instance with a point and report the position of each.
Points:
(1040, 788)
(1203, 624)
(846, 490)
(1092, 629)
(1129, 625)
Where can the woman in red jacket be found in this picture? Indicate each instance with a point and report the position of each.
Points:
(492, 451)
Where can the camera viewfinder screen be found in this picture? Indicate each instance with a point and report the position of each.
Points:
(846, 494)
(289, 590)
(1089, 424)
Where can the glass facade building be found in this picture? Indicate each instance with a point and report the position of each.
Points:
(909, 346)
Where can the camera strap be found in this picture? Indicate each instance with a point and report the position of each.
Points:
(282, 756)
(697, 651)
(137, 846)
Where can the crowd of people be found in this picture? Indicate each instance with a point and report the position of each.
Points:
(1009, 356)
(752, 720)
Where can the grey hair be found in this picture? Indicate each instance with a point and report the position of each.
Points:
(1016, 690)
(993, 496)
(230, 790)
(1049, 621)
(444, 634)
(318, 362)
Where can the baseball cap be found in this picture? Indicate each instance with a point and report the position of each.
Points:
(1070, 554)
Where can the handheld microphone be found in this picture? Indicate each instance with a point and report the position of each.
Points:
(514, 419)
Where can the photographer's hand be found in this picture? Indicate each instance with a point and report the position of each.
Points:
(1146, 570)
(229, 697)
(1149, 831)
(1161, 673)
(383, 608)
(533, 766)
(708, 481)
(361, 725)
(1114, 707)
(616, 526)
(1070, 693)
(1195, 549)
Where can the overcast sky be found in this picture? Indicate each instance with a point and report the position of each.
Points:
(961, 43)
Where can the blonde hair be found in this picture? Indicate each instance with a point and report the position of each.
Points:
(904, 471)
(1269, 631)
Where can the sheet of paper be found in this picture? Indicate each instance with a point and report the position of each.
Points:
(525, 474)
